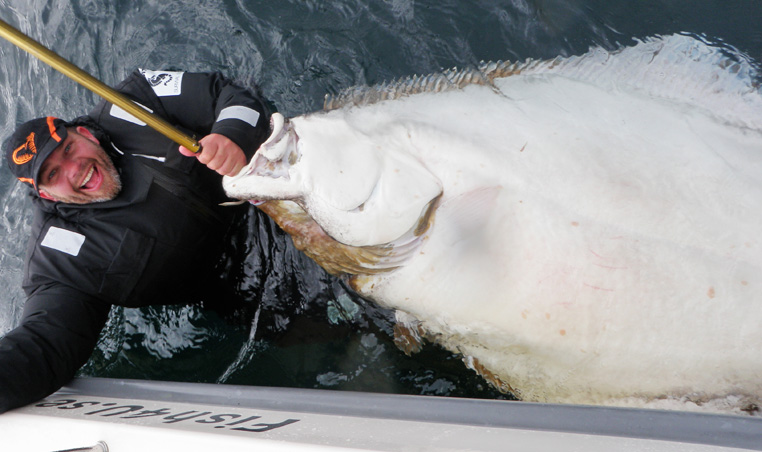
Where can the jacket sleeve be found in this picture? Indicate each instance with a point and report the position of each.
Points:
(59, 330)
(211, 103)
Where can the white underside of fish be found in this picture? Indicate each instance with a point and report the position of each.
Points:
(596, 226)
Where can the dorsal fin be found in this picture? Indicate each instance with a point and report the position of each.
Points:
(679, 67)
(447, 80)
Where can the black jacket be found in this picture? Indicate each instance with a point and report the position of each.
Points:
(152, 244)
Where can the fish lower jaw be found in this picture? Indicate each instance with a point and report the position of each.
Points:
(280, 143)
(277, 121)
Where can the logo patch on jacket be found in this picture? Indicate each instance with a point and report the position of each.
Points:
(164, 83)
(63, 240)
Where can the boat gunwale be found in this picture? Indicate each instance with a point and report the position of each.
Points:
(677, 426)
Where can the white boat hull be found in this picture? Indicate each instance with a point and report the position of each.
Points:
(143, 416)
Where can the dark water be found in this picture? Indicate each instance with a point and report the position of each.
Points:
(301, 327)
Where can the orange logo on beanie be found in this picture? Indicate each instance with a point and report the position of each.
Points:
(28, 148)
(52, 127)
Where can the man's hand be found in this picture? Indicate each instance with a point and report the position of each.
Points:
(219, 153)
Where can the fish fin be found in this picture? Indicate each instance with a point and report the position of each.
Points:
(492, 378)
(448, 80)
(408, 333)
(679, 67)
(676, 67)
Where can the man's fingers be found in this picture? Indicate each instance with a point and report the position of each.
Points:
(237, 168)
(231, 167)
(204, 155)
(186, 152)
(218, 153)
(216, 161)
(226, 168)
(207, 155)
(227, 164)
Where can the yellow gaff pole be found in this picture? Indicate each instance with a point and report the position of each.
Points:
(58, 63)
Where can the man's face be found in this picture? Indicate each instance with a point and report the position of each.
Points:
(79, 171)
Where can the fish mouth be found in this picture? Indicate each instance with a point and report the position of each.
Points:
(277, 145)
(278, 153)
(268, 174)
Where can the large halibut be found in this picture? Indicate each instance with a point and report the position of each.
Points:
(581, 230)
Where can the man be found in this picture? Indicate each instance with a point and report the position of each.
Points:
(121, 217)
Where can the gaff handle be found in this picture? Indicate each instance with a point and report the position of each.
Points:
(63, 66)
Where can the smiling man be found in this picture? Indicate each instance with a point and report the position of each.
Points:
(69, 165)
(122, 216)
(78, 171)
